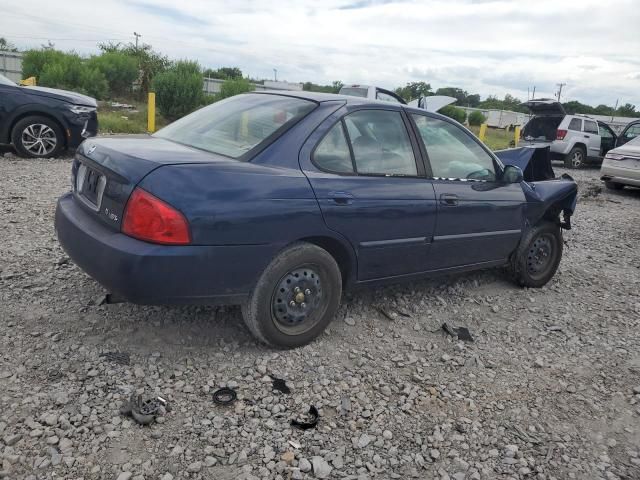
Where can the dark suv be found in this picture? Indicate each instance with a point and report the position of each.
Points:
(42, 122)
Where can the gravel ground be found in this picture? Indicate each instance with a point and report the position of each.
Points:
(549, 389)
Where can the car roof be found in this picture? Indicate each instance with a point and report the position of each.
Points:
(325, 97)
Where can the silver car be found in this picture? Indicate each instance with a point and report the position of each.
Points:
(621, 166)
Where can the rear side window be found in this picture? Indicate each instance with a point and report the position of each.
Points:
(575, 124)
(332, 153)
(590, 127)
(452, 153)
(379, 142)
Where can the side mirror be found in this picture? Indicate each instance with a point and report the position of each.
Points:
(512, 174)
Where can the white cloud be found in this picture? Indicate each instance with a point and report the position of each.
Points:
(489, 47)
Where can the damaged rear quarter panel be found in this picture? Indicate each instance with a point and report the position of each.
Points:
(559, 194)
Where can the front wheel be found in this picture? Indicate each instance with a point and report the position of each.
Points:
(37, 137)
(295, 298)
(538, 256)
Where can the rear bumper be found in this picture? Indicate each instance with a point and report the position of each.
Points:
(616, 174)
(145, 273)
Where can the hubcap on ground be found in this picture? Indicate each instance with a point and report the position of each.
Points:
(296, 300)
(540, 255)
(39, 139)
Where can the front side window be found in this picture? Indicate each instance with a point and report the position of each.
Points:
(452, 153)
(632, 132)
(575, 124)
(233, 127)
(605, 132)
(590, 127)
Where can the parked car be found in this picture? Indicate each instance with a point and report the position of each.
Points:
(630, 131)
(280, 201)
(621, 166)
(575, 139)
(42, 122)
(371, 92)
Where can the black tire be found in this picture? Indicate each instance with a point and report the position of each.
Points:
(613, 185)
(537, 257)
(576, 158)
(283, 317)
(49, 133)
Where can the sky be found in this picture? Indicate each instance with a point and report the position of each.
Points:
(483, 46)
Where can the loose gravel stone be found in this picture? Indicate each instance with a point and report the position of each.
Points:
(549, 389)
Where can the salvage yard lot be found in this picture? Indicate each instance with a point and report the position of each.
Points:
(549, 389)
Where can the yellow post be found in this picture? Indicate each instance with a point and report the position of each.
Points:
(517, 135)
(151, 113)
(483, 132)
(31, 81)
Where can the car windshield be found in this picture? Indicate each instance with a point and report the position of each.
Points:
(5, 81)
(233, 127)
(354, 91)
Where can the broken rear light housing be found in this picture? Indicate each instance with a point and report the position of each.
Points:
(560, 134)
(150, 219)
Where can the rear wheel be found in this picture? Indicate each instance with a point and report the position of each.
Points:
(295, 298)
(538, 256)
(37, 137)
(576, 158)
(613, 185)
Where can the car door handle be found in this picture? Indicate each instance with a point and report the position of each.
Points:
(449, 199)
(341, 198)
(587, 136)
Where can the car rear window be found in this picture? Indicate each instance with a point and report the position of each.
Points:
(235, 126)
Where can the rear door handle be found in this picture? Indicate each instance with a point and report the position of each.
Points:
(587, 136)
(341, 198)
(449, 199)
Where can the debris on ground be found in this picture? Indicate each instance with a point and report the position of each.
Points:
(280, 385)
(461, 333)
(143, 411)
(307, 424)
(224, 396)
(121, 358)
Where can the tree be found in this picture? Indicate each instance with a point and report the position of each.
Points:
(119, 69)
(476, 118)
(233, 87)
(627, 110)
(414, 90)
(224, 73)
(179, 89)
(458, 114)
(7, 46)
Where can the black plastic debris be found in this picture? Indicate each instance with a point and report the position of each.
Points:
(143, 411)
(392, 313)
(121, 358)
(224, 396)
(462, 333)
(280, 385)
(302, 425)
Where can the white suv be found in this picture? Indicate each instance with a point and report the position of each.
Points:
(575, 139)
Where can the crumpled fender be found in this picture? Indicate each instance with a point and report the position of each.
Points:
(560, 194)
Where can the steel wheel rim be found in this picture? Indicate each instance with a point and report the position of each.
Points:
(297, 303)
(541, 255)
(576, 159)
(39, 139)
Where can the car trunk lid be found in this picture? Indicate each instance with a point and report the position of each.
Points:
(545, 106)
(104, 176)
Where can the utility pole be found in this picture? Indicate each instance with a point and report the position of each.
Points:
(560, 85)
(614, 109)
(275, 74)
(533, 95)
(137, 36)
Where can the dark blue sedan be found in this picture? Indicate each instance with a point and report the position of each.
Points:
(278, 202)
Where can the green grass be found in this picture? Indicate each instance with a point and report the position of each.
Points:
(496, 138)
(123, 121)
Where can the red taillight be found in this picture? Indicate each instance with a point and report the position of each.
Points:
(560, 134)
(150, 219)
